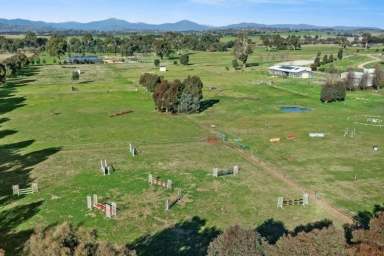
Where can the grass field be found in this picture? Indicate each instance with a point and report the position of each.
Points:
(56, 137)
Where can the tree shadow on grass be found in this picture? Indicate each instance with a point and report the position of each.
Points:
(190, 237)
(271, 230)
(311, 226)
(12, 242)
(15, 168)
(206, 104)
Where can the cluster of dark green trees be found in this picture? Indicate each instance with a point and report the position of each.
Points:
(326, 59)
(333, 90)
(174, 96)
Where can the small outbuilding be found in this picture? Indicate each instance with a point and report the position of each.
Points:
(163, 69)
(291, 71)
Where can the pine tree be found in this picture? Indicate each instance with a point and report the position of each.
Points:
(340, 54)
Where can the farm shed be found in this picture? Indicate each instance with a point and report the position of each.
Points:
(83, 60)
(291, 71)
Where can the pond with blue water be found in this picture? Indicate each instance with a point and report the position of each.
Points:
(294, 109)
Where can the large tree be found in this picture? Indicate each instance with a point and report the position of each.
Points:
(191, 95)
(162, 48)
(340, 54)
(242, 48)
(57, 46)
(378, 80)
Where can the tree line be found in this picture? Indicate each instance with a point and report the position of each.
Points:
(163, 45)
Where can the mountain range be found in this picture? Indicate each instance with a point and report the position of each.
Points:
(118, 25)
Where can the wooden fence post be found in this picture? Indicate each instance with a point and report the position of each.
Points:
(169, 184)
(108, 211)
(215, 172)
(236, 169)
(167, 205)
(114, 209)
(16, 190)
(89, 202)
(305, 199)
(280, 202)
(35, 188)
(94, 201)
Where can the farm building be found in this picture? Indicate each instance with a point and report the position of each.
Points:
(358, 76)
(291, 71)
(83, 60)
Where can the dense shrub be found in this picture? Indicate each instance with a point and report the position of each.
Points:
(333, 90)
(75, 75)
(156, 62)
(15, 63)
(319, 242)
(237, 242)
(149, 81)
(66, 240)
(184, 59)
(235, 64)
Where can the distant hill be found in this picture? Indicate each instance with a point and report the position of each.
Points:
(111, 25)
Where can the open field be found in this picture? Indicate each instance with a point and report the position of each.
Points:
(56, 137)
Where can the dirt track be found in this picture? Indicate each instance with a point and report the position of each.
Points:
(374, 60)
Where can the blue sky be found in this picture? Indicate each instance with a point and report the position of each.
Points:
(210, 12)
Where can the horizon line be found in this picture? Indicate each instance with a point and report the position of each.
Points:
(208, 25)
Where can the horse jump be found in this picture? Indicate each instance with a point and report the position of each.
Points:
(281, 201)
(234, 171)
(25, 191)
(109, 209)
(105, 168)
(132, 150)
(169, 203)
(157, 182)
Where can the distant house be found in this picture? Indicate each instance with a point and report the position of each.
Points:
(163, 69)
(291, 71)
(358, 76)
(83, 60)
